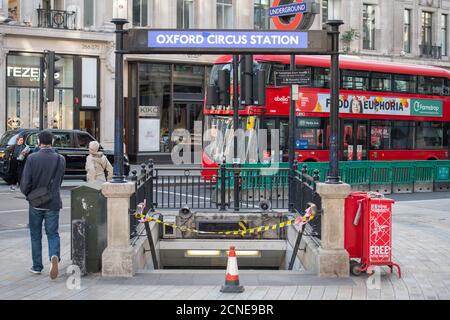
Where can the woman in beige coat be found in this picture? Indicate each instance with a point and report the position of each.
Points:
(97, 165)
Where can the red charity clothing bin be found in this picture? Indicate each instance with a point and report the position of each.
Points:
(354, 233)
(368, 231)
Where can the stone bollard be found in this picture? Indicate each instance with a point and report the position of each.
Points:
(118, 257)
(333, 259)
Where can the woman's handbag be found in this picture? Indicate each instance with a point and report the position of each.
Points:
(42, 195)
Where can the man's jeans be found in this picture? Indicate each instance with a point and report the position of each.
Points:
(51, 222)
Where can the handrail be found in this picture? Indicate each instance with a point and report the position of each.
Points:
(56, 19)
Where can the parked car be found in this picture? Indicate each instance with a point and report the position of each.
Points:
(72, 144)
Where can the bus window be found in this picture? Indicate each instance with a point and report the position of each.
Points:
(361, 135)
(446, 90)
(381, 82)
(321, 78)
(404, 83)
(402, 135)
(355, 80)
(214, 76)
(282, 127)
(348, 135)
(431, 85)
(270, 124)
(380, 135)
(284, 140)
(430, 135)
(310, 134)
(446, 134)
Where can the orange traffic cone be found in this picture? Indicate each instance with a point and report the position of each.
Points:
(232, 277)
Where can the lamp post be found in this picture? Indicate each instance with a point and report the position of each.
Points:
(236, 162)
(120, 15)
(41, 92)
(292, 148)
(333, 30)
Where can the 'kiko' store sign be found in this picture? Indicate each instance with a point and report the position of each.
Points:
(149, 111)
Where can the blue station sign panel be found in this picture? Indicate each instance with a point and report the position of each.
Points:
(288, 9)
(227, 40)
(143, 41)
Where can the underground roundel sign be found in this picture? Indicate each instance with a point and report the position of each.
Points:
(293, 14)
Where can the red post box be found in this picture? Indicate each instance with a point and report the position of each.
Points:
(368, 231)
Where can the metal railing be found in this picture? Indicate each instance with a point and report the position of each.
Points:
(176, 188)
(305, 189)
(56, 19)
(258, 186)
(143, 192)
(427, 51)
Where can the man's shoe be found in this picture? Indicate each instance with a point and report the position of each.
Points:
(34, 271)
(12, 188)
(54, 268)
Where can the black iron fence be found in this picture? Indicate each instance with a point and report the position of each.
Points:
(176, 188)
(56, 19)
(260, 187)
(226, 188)
(305, 187)
(433, 52)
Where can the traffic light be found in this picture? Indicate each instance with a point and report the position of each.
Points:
(259, 88)
(219, 93)
(52, 74)
(212, 95)
(224, 88)
(246, 66)
(253, 83)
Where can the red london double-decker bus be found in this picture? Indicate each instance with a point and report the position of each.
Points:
(388, 111)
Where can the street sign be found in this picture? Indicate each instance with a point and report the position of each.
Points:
(227, 39)
(299, 77)
(294, 14)
(287, 10)
(143, 41)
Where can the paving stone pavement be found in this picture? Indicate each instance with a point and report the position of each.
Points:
(421, 245)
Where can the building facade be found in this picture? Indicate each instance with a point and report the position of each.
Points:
(165, 92)
(79, 32)
(409, 31)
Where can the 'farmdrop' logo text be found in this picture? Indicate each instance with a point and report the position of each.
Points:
(430, 108)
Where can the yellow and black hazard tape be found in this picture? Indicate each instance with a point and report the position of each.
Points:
(300, 220)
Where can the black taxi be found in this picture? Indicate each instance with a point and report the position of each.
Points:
(72, 144)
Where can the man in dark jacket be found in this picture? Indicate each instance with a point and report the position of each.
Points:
(39, 170)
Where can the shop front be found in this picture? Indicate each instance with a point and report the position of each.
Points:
(165, 100)
(76, 104)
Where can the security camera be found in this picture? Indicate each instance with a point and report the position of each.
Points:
(185, 211)
(265, 205)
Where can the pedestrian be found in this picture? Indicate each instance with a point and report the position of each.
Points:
(98, 167)
(41, 184)
(16, 155)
